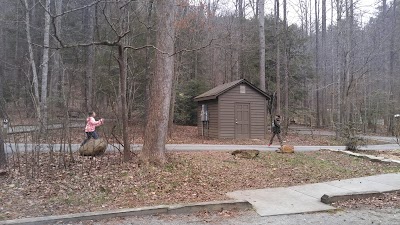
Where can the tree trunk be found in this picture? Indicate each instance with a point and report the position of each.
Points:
(318, 116)
(147, 61)
(261, 32)
(278, 59)
(240, 69)
(392, 54)
(122, 62)
(55, 79)
(89, 27)
(35, 79)
(160, 99)
(286, 66)
(324, 50)
(45, 68)
(338, 72)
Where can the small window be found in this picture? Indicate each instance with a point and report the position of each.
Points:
(242, 89)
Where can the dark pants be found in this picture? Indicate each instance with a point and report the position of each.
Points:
(90, 135)
(279, 138)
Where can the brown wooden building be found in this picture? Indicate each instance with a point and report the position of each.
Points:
(233, 110)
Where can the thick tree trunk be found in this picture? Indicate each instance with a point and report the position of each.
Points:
(160, 99)
(261, 32)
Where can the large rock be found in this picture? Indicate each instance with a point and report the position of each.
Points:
(93, 147)
(286, 149)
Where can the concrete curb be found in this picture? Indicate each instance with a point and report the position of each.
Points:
(329, 199)
(365, 156)
(162, 209)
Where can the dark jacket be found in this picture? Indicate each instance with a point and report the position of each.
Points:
(276, 126)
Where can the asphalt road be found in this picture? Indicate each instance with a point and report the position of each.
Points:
(13, 147)
(308, 131)
(347, 217)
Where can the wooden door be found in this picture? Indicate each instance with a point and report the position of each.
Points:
(242, 120)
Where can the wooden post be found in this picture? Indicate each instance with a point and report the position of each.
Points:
(3, 137)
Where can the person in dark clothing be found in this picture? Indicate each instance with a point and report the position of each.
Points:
(276, 130)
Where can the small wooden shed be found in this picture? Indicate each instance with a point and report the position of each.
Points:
(236, 110)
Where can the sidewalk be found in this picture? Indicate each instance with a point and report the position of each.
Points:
(307, 198)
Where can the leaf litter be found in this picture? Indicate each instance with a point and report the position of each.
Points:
(104, 183)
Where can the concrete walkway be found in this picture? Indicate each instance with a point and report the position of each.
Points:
(307, 198)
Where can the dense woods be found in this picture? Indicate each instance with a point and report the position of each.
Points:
(143, 61)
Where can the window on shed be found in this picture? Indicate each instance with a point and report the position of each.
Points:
(242, 89)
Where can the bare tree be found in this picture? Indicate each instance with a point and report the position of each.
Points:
(278, 59)
(45, 66)
(286, 67)
(317, 75)
(89, 28)
(160, 99)
(261, 32)
(35, 80)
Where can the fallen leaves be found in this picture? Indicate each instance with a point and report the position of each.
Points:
(107, 183)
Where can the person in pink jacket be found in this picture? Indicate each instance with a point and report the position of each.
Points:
(91, 125)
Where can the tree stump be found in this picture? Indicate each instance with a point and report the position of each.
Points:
(93, 147)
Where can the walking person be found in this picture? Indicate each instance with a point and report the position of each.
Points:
(276, 130)
(91, 125)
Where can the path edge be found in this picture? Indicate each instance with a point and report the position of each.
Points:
(143, 211)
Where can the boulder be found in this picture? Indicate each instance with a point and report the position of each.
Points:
(286, 149)
(246, 154)
(93, 147)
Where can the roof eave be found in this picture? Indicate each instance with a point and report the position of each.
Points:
(205, 98)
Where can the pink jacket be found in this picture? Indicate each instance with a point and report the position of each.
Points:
(92, 124)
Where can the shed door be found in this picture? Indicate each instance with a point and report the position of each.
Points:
(242, 120)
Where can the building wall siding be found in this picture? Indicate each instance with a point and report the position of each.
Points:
(212, 129)
(227, 112)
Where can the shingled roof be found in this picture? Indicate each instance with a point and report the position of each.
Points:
(217, 91)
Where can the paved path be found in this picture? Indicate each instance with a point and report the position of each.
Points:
(12, 147)
(307, 198)
(318, 132)
(31, 128)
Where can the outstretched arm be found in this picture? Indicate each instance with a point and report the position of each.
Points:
(96, 123)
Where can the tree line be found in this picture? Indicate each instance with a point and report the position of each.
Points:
(145, 60)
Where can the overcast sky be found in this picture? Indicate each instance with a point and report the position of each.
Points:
(364, 8)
